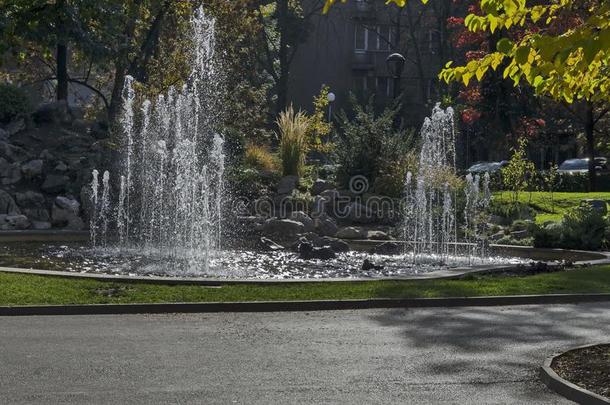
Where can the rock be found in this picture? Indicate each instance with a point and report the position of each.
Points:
(37, 214)
(520, 234)
(318, 206)
(3, 135)
(4, 165)
(79, 125)
(287, 184)
(497, 220)
(32, 169)
(330, 195)
(65, 213)
(41, 225)
(286, 228)
(7, 204)
(336, 244)
(377, 235)
(46, 155)
(61, 167)
(359, 213)
(14, 222)
(268, 245)
(30, 199)
(368, 265)
(307, 252)
(497, 236)
(350, 232)
(320, 185)
(14, 127)
(303, 218)
(597, 205)
(12, 153)
(52, 112)
(55, 183)
(325, 225)
(388, 248)
(11, 175)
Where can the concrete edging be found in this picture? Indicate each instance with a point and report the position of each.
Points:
(564, 387)
(293, 306)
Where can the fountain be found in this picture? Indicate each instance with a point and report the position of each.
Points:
(159, 212)
(430, 225)
(170, 179)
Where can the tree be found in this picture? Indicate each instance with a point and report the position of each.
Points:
(564, 53)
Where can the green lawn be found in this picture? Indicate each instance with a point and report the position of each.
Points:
(547, 211)
(20, 289)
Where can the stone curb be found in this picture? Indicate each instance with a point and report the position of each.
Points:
(567, 389)
(291, 306)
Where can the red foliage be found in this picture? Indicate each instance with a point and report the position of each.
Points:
(471, 95)
(470, 116)
(530, 127)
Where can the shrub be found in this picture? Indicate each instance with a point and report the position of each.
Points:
(293, 129)
(511, 211)
(391, 178)
(259, 157)
(548, 236)
(581, 228)
(516, 176)
(368, 144)
(14, 103)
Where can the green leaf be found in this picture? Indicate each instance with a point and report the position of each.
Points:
(505, 45)
(521, 54)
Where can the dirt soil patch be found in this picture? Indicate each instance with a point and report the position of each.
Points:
(589, 368)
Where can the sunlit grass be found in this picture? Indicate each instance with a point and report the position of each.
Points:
(22, 289)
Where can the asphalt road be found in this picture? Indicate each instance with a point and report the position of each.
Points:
(418, 356)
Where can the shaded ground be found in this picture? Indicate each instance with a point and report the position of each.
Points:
(588, 368)
(419, 356)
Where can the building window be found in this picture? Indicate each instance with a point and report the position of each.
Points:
(384, 38)
(383, 86)
(361, 38)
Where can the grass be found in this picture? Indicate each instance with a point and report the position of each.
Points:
(22, 289)
(541, 202)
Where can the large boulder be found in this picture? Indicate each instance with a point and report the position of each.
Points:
(30, 199)
(14, 222)
(287, 184)
(303, 218)
(284, 228)
(32, 169)
(307, 252)
(7, 204)
(65, 214)
(388, 248)
(11, 174)
(359, 213)
(377, 235)
(12, 153)
(351, 232)
(325, 225)
(268, 245)
(55, 183)
(321, 185)
(32, 205)
(52, 112)
(336, 244)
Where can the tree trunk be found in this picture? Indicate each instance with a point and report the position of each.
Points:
(62, 52)
(589, 128)
(282, 82)
(62, 71)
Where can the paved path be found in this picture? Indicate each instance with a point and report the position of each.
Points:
(419, 356)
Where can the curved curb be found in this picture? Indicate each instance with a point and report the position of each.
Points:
(293, 306)
(567, 389)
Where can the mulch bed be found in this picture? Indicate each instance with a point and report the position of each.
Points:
(588, 368)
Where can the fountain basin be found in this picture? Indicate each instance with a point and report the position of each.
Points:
(75, 259)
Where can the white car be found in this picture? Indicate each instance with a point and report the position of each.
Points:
(581, 166)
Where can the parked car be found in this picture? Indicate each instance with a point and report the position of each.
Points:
(581, 166)
(486, 167)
